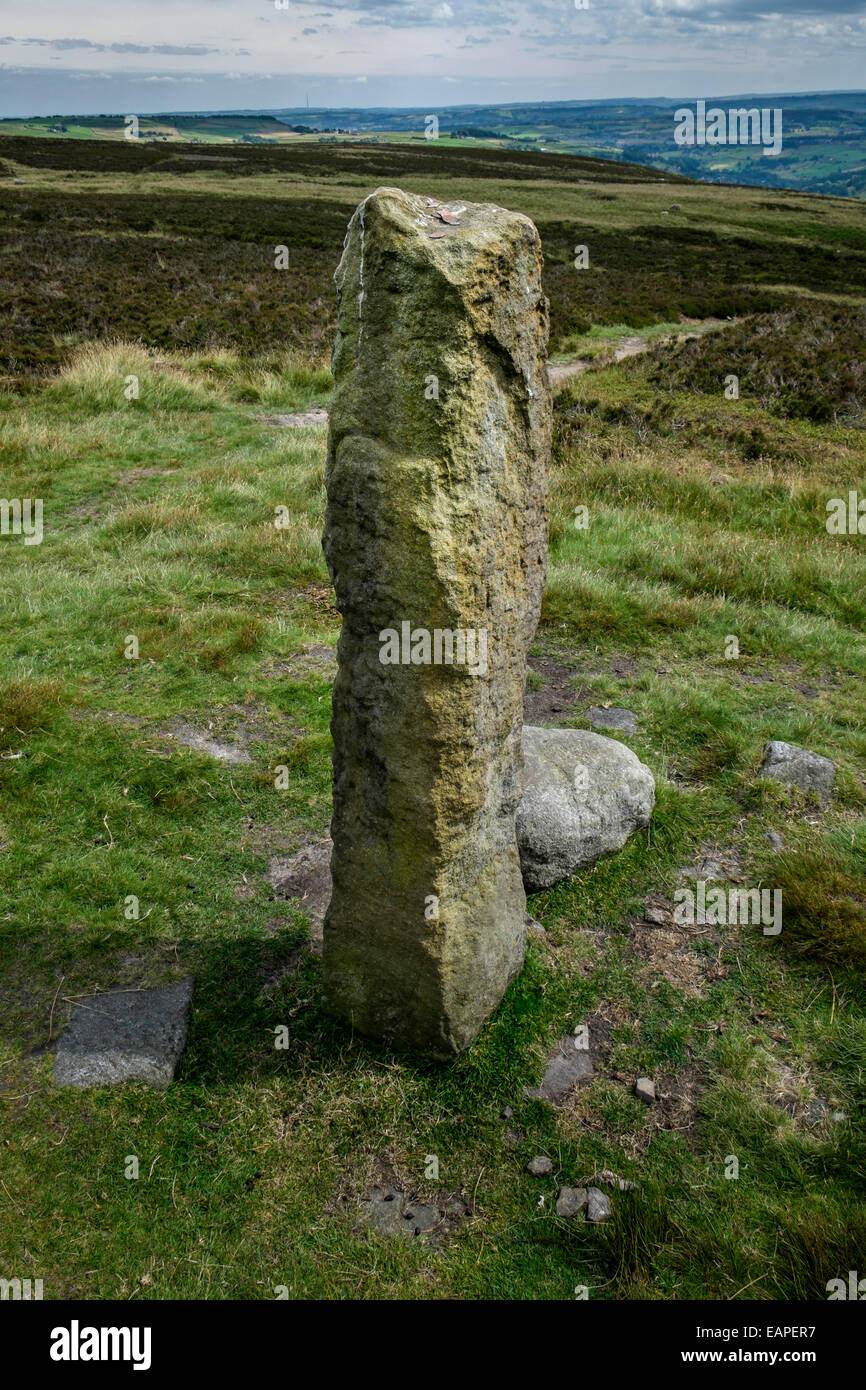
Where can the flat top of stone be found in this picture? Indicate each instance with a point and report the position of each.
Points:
(568, 746)
(777, 751)
(300, 419)
(449, 229)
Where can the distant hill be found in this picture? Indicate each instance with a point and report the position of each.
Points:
(823, 145)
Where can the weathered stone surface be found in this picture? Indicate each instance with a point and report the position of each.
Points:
(395, 1213)
(788, 763)
(437, 471)
(125, 1035)
(571, 1200)
(568, 1064)
(583, 796)
(645, 1089)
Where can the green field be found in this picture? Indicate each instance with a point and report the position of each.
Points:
(706, 520)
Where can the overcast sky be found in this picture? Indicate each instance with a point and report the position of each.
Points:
(158, 55)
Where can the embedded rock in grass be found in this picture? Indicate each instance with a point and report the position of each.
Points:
(305, 878)
(788, 763)
(624, 721)
(583, 796)
(436, 539)
(569, 1063)
(124, 1035)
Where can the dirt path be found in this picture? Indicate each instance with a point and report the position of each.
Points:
(626, 347)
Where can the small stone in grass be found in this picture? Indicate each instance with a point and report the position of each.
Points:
(645, 1089)
(571, 1200)
(539, 1166)
(597, 1205)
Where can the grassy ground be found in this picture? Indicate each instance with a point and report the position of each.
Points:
(159, 523)
(706, 521)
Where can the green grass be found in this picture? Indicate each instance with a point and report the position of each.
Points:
(706, 521)
(159, 523)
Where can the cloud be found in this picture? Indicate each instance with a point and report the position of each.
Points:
(175, 50)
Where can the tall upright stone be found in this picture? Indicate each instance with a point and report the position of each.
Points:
(436, 540)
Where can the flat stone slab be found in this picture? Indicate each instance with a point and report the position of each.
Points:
(568, 1064)
(799, 767)
(623, 720)
(539, 1166)
(125, 1035)
(392, 1213)
(583, 795)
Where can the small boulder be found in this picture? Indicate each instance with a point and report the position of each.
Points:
(799, 767)
(571, 1200)
(583, 795)
(645, 1089)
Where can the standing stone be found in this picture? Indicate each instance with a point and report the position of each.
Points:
(436, 523)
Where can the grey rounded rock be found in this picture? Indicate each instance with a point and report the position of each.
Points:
(583, 795)
(786, 762)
